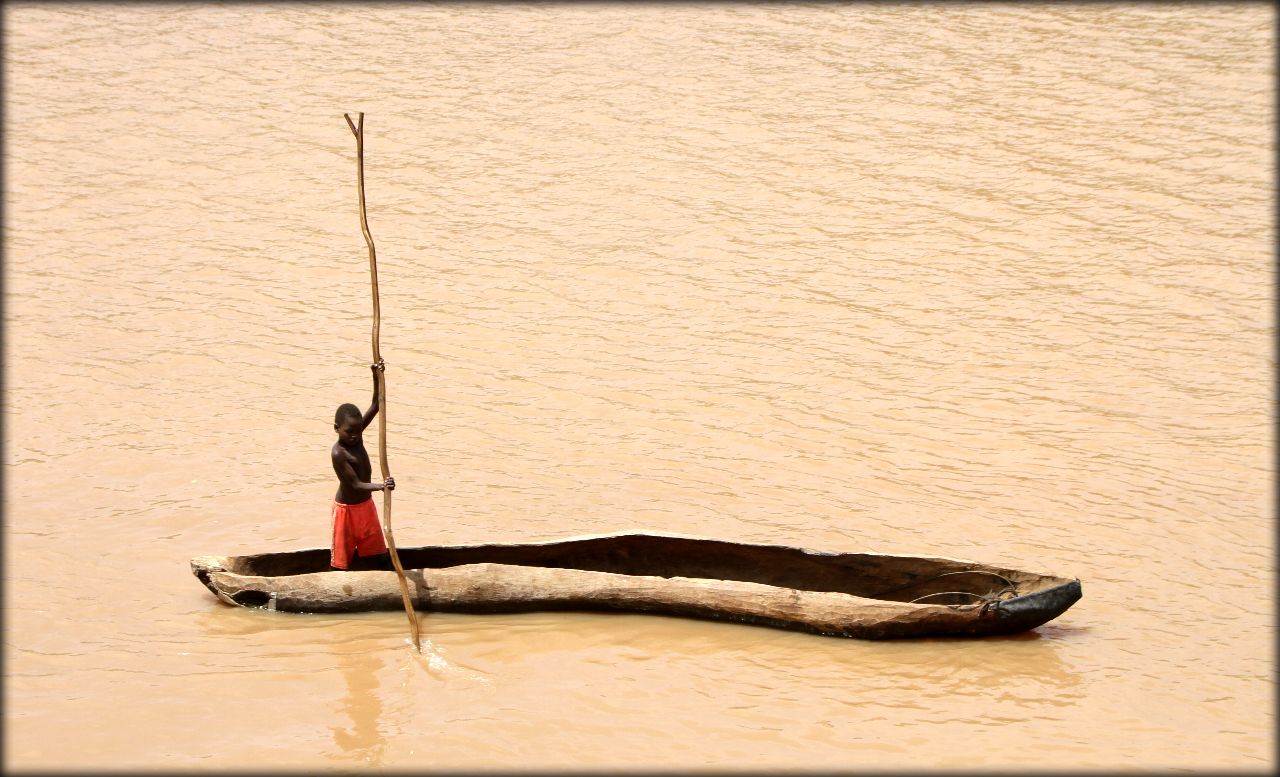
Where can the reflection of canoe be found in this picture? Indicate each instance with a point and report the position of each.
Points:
(864, 595)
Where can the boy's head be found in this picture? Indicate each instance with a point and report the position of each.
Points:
(346, 422)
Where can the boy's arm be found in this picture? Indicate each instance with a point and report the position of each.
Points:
(373, 406)
(347, 474)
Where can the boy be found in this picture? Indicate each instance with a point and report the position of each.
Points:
(357, 536)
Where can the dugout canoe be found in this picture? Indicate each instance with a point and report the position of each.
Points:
(864, 595)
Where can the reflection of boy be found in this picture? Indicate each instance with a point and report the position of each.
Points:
(357, 537)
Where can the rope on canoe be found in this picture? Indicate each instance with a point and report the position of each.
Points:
(985, 601)
(1009, 584)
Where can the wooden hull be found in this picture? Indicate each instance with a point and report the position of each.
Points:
(861, 595)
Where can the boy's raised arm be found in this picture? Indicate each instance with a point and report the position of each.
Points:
(373, 406)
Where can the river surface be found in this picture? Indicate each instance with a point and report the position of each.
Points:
(990, 282)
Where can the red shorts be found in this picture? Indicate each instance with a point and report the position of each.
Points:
(355, 528)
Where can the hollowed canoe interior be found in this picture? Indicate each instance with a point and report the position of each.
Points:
(894, 578)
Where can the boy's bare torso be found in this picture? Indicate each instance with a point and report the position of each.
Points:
(355, 456)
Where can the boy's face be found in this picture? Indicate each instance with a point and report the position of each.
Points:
(349, 430)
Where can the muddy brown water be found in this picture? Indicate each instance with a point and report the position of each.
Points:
(988, 282)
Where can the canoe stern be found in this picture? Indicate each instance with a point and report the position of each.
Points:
(205, 567)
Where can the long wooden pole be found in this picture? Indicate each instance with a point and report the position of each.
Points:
(358, 131)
